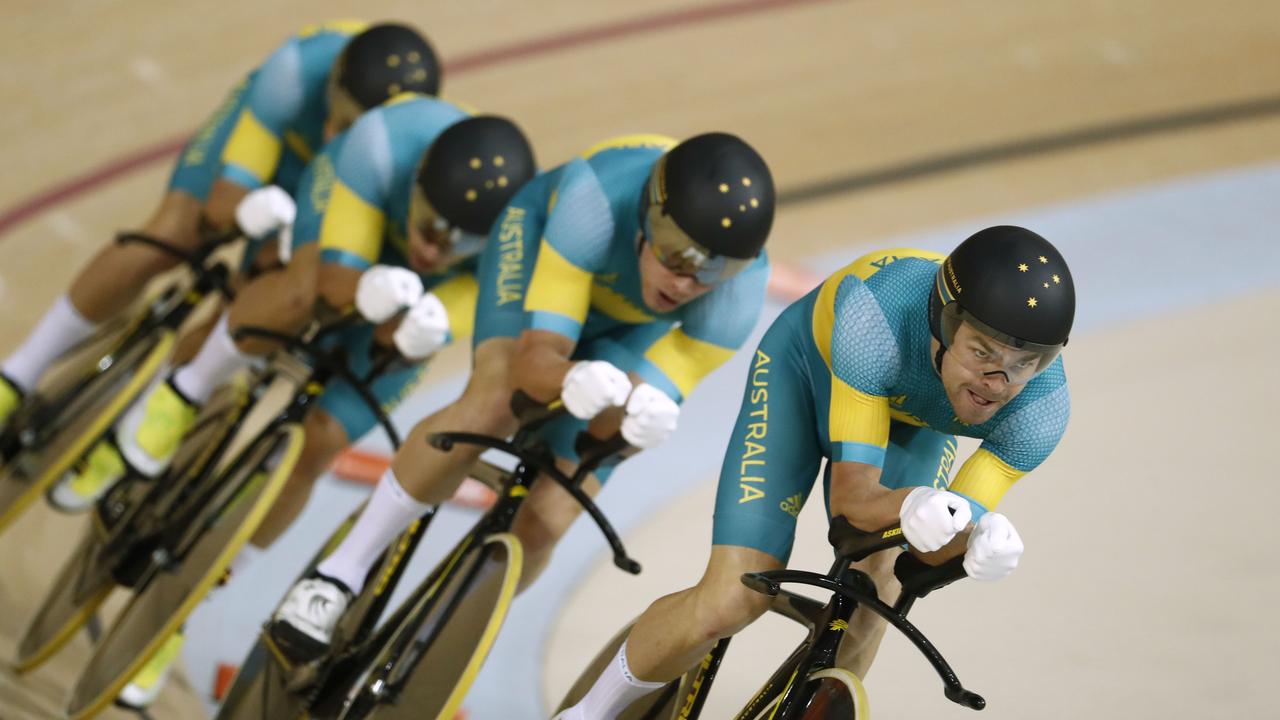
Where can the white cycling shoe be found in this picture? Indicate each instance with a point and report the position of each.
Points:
(303, 625)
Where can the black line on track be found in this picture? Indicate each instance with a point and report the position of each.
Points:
(1255, 109)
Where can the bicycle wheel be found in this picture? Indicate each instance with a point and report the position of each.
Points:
(466, 611)
(831, 694)
(204, 549)
(77, 592)
(88, 576)
(81, 420)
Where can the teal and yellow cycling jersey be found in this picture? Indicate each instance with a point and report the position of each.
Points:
(579, 224)
(353, 200)
(847, 373)
(280, 126)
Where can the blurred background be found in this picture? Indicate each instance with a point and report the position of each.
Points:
(1141, 137)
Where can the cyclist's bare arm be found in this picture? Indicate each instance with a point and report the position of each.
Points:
(857, 494)
(541, 362)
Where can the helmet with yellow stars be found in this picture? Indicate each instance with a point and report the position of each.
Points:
(378, 64)
(470, 172)
(1012, 286)
(708, 207)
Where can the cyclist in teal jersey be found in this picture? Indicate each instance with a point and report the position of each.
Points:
(616, 282)
(265, 131)
(875, 371)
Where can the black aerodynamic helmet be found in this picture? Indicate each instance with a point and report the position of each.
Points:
(1010, 284)
(473, 169)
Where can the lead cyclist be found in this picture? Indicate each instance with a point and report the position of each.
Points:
(875, 371)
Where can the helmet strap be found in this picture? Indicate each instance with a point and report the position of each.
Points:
(937, 357)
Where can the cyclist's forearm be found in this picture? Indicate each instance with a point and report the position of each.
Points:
(540, 364)
(856, 493)
(952, 549)
(220, 208)
(336, 284)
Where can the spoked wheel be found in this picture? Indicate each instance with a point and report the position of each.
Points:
(202, 549)
(80, 420)
(660, 705)
(831, 694)
(430, 678)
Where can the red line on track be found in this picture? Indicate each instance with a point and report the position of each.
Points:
(113, 170)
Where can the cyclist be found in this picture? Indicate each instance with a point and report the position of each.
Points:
(875, 370)
(392, 215)
(265, 131)
(616, 281)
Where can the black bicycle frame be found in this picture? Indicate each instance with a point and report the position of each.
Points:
(31, 430)
(386, 681)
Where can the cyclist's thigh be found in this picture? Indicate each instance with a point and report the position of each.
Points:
(344, 404)
(774, 452)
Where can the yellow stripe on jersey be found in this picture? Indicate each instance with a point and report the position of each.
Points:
(253, 147)
(855, 416)
(558, 286)
(824, 311)
(298, 145)
(686, 360)
(349, 27)
(458, 295)
(403, 97)
(640, 140)
(616, 305)
(985, 478)
(352, 225)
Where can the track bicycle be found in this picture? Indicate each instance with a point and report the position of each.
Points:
(171, 540)
(84, 393)
(420, 661)
(808, 685)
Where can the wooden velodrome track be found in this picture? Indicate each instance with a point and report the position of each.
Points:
(879, 118)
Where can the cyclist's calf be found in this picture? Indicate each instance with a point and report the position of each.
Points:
(866, 629)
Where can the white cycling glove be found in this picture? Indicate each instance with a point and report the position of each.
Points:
(930, 518)
(264, 211)
(994, 548)
(384, 290)
(591, 386)
(651, 417)
(424, 329)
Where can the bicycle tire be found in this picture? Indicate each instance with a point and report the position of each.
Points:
(88, 416)
(161, 608)
(830, 694)
(473, 601)
(85, 580)
(66, 607)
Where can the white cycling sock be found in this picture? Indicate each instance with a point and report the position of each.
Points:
(390, 510)
(61, 328)
(217, 361)
(614, 691)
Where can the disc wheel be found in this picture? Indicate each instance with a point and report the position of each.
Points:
(469, 608)
(204, 550)
(80, 420)
(831, 694)
(77, 592)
